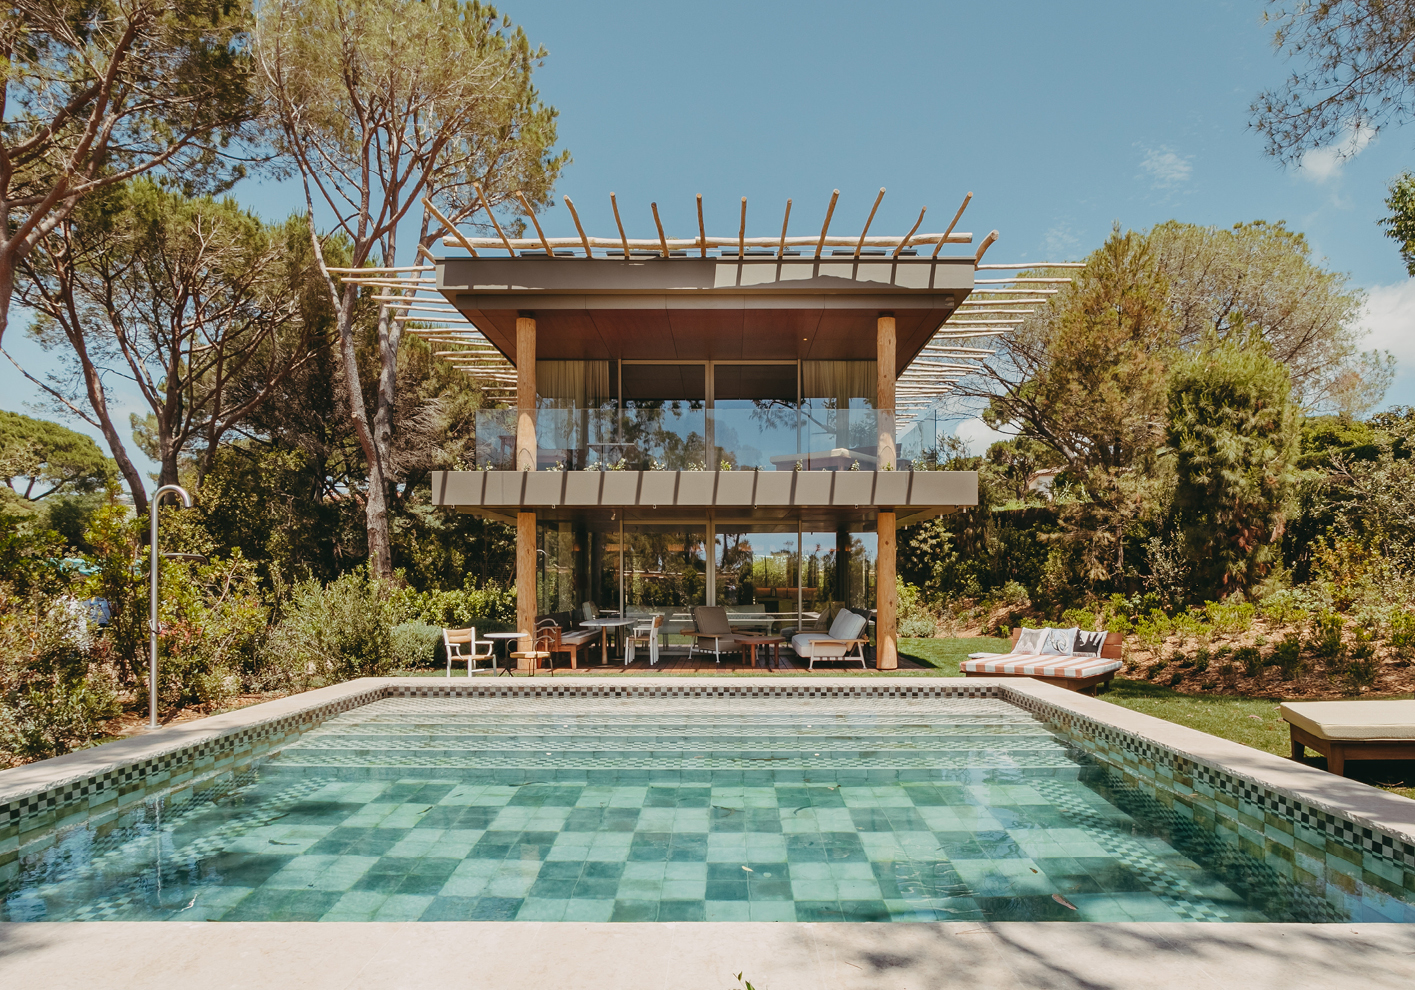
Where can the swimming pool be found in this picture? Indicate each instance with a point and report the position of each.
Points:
(638, 808)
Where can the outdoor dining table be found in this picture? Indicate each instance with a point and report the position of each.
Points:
(508, 636)
(607, 624)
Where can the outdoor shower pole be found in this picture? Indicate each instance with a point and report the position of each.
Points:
(152, 601)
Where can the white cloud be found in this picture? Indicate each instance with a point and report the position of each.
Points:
(1061, 243)
(1167, 168)
(1389, 320)
(979, 436)
(1321, 164)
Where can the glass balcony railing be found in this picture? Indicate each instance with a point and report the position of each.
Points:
(677, 437)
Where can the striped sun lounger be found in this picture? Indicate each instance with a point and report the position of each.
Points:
(1073, 672)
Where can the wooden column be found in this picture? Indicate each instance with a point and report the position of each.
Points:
(526, 461)
(886, 611)
(884, 388)
(526, 577)
(525, 393)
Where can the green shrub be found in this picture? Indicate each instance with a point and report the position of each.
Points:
(1230, 618)
(1326, 634)
(915, 618)
(1014, 594)
(1402, 632)
(213, 624)
(1201, 659)
(1152, 630)
(334, 632)
(1080, 617)
(1175, 678)
(1156, 668)
(491, 608)
(416, 645)
(51, 718)
(1361, 669)
(1188, 625)
(1286, 607)
(1119, 624)
(1287, 655)
(1249, 659)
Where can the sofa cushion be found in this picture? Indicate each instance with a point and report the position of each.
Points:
(1061, 641)
(1088, 644)
(579, 637)
(1353, 721)
(847, 625)
(1030, 641)
(802, 644)
(1045, 665)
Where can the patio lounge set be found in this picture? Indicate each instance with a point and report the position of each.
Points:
(713, 632)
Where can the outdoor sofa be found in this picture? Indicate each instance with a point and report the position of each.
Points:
(845, 640)
(1076, 659)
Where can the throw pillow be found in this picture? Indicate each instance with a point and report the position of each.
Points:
(1062, 641)
(1088, 644)
(1030, 641)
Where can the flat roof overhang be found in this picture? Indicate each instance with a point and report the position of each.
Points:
(761, 500)
(707, 309)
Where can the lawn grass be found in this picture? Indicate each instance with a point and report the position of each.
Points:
(1254, 722)
(946, 654)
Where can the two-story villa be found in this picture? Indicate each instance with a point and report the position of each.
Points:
(713, 420)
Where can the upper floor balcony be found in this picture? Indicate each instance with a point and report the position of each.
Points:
(686, 436)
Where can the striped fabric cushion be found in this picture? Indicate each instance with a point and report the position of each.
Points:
(1045, 665)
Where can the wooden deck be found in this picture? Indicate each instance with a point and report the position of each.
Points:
(680, 663)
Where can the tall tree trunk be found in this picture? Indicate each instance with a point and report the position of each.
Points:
(385, 402)
(7, 286)
(380, 547)
(98, 400)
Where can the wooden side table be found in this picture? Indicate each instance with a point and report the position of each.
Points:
(752, 642)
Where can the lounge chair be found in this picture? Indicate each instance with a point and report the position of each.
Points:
(1075, 659)
(461, 645)
(845, 634)
(1351, 730)
(711, 626)
(647, 634)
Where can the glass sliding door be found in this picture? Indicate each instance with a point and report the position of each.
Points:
(665, 570)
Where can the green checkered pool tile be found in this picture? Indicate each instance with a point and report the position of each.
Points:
(660, 810)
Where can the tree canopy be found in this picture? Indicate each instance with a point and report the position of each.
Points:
(1233, 432)
(39, 458)
(98, 92)
(379, 104)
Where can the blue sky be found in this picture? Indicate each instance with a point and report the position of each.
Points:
(1060, 118)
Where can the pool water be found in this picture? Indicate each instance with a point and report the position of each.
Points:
(655, 809)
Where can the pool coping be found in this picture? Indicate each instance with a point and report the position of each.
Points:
(689, 956)
(1250, 789)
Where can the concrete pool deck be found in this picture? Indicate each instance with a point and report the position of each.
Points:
(688, 956)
